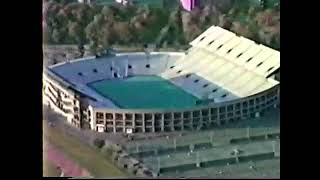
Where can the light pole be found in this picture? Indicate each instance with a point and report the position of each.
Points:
(211, 137)
(112, 67)
(158, 165)
(198, 160)
(274, 148)
(126, 68)
(137, 148)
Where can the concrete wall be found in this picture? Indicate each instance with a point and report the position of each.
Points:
(62, 100)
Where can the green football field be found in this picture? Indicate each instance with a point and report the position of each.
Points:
(144, 92)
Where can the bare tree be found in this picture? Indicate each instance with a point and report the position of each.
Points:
(240, 29)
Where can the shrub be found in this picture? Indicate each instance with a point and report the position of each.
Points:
(99, 143)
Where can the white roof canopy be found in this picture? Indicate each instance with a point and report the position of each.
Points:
(239, 50)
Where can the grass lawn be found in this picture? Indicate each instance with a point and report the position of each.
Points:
(49, 169)
(87, 157)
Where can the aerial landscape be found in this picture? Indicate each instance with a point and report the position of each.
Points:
(161, 88)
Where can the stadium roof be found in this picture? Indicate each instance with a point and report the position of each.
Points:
(247, 63)
(239, 50)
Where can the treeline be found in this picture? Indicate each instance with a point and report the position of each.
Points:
(104, 26)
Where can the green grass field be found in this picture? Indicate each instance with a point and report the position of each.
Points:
(49, 169)
(140, 92)
(87, 157)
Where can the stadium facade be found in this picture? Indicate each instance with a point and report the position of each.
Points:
(230, 75)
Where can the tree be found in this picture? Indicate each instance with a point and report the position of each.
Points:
(123, 31)
(46, 36)
(224, 21)
(83, 14)
(75, 31)
(108, 12)
(56, 36)
(102, 26)
(186, 21)
(196, 12)
(265, 37)
(223, 5)
(193, 32)
(210, 16)
(99, 143)
(81, 49)
(252, 11)
(162, 35)
(175, 17)
(93, 47)
(137, 22)
(105, 36)
(240, 29)
(264, 18)
(92, 35)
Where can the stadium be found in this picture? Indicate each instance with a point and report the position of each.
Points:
(220, 79)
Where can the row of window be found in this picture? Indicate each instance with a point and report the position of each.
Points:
(177, 115)
(196, 121)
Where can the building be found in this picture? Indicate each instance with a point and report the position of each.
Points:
(230, 75)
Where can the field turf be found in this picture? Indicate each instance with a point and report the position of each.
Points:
(144, 92)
